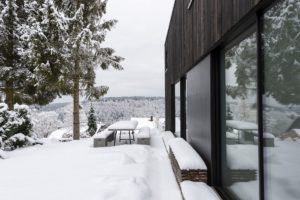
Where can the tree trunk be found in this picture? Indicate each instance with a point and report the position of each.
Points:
(76, 120)
(9, 93)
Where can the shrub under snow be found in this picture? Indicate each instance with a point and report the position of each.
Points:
(16, 128)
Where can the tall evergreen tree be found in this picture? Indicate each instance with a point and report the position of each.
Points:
(46, 51)
(13, 71)
(92, 121)
(21, 49)
(86, 33)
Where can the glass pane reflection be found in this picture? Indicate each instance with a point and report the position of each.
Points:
(177, 109)
(240, 164)
(282, 101)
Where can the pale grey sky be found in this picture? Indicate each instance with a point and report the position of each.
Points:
(139, 37)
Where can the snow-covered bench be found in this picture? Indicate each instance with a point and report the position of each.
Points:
(197, 190)
(143, 136)
(268, 139)
(245, 168)
(186, 162)
(167, 136)
(101, 139)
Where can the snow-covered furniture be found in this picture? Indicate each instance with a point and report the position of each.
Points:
(186, 162)
(167, 136)
(143, 136)
(268, 139)
(245, 130)
(101, 139)
(121, 126)
(197, 190)
(244, 168)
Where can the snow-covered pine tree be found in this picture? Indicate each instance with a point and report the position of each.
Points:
(46, 54)
(13, 71)
(86, 33)
(282, 52)
(20, 80)
(243, 56)
(92, 121)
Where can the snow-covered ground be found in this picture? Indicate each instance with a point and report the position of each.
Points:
(76, 171)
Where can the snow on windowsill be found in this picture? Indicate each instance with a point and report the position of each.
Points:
(186, 156)
(167, 136)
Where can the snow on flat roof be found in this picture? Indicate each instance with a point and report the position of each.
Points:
(198, 190)
(241, 125)
(186, 156)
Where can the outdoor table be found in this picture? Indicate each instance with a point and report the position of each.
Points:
(241, 126)
(129, 126)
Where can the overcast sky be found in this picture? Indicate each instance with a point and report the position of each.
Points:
(139, 37)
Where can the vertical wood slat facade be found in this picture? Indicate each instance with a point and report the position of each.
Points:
(193, 33)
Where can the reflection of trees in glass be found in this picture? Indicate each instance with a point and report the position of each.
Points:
(282, 52)
(243, 57)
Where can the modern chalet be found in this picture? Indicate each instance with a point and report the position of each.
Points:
(232, 87)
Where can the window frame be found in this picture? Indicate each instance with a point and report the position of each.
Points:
(255, 20)
(251, 25)
(252, 29)
(182, 106)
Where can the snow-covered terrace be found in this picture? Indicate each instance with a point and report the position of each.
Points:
(76, 171)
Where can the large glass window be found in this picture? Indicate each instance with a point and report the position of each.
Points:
(177, 110)
(281, 101)
(240, 147)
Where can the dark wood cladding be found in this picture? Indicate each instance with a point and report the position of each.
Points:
(193, 32)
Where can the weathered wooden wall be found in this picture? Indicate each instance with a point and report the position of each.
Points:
(194, 32)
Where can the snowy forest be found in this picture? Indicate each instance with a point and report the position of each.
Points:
(107, 110)
(49, 48)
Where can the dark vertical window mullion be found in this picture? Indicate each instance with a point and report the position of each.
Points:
(260, 92)
(183, 107)
(173, 112)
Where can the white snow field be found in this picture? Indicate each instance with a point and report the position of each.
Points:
(77, 171)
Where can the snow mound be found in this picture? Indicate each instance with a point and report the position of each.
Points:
(197, 190)
(127, 160)
(143, 122)
(144, 132)
(3, 154)
(186, 156)
(58, 134)
(131, 188)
